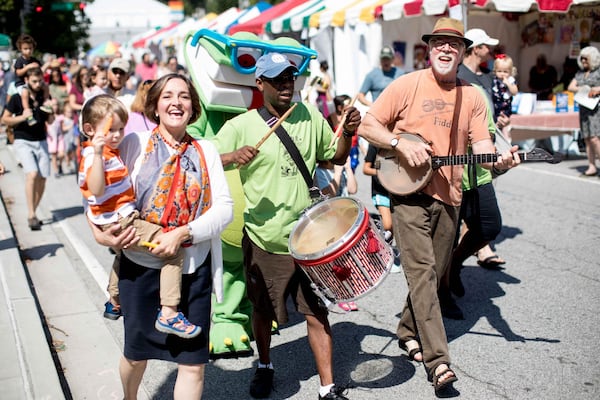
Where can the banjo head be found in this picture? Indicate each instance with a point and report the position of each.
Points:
(397, 176)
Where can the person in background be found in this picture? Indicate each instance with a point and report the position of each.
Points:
(379, 194)
(174, 67)
(30, 145)
(81, 81)
(504, 87)
(340, 103)
(70, 137)
(203, 208)
(379, 78)
(138, 121)
(98, 82)
(589, 119)
(118, 74)
(425, 222)
(323, 89)
(26, 61)
(59, 87)
(542, 78)
(470, 70)
(147, 69)
(56, 142)
(570, 68)
(274, 187)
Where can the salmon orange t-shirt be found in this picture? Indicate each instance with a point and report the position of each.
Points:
(415, 103)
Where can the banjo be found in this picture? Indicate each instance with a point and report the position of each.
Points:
(399, 178)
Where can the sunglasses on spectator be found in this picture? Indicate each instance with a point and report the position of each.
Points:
(243, 54)
(118, 71)
(279, 80)
(583, 58)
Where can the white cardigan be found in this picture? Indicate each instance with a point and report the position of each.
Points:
(206, 228)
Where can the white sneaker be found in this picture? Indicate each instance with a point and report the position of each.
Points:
(396, 268)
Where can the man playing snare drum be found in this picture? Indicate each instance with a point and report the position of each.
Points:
(276, 194)
(448, 114)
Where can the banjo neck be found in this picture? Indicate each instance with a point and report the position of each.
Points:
(461, 159)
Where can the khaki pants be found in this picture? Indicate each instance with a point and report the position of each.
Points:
(425, 229)
(170, 273)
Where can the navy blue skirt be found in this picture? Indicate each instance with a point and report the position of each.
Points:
(140, 303)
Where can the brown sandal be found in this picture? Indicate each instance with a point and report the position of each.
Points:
(439, 385)
(412, 352)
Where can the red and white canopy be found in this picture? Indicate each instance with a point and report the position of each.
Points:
(408, 8)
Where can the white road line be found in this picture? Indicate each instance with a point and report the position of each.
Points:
(88, 258)
(592, 180)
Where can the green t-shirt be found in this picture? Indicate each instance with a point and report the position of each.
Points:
(483, 175)
(274, 188)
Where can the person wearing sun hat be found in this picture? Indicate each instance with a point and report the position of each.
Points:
(118, 73)
(448, 114)
(378, 79)
(477, 53)
(275, 195)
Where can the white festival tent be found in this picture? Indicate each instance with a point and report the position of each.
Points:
(119, 20)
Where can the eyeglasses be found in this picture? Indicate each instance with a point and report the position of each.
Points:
(243, 54)
(148, 82)
(279, 80)
(583, 58)
(118, 71)
(439, 44)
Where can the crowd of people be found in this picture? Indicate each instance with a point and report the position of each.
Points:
(159, 197)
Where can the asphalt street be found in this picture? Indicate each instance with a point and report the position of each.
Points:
(532, 329)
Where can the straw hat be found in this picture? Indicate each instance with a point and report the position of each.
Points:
(448, 27)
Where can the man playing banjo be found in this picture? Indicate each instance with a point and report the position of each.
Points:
(449, 115)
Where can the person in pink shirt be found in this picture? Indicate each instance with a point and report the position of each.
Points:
(147, 69)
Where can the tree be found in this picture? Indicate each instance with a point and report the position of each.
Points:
(58, 26)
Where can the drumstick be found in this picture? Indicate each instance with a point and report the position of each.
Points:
(149, 244)
(273, 128)
(277, 124)
(340, 127)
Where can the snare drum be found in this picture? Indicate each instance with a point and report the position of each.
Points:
(340, 249)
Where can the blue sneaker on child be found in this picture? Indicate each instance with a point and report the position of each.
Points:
(178, 325)
(111, 311)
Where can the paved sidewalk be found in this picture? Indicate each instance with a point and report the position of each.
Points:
(27, 370)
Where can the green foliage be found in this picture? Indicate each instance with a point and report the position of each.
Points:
(57, 32)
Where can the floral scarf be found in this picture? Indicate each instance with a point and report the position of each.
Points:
(171, 189)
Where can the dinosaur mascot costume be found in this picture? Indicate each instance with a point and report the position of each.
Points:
(222, 68)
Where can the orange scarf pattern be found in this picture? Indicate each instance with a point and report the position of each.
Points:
(172, 188)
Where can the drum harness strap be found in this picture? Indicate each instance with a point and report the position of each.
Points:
(315, 193)
(270, 120)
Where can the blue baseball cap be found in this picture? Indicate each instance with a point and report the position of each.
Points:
(271, 65)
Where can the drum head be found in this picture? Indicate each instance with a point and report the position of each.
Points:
(325, 227)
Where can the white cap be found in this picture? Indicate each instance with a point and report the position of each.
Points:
(479, 37)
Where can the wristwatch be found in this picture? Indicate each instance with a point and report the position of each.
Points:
(394, 142)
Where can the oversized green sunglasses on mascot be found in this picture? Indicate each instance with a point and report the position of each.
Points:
(222, 68)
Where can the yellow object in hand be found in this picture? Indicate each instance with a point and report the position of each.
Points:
(107, 126)
(149, 245)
